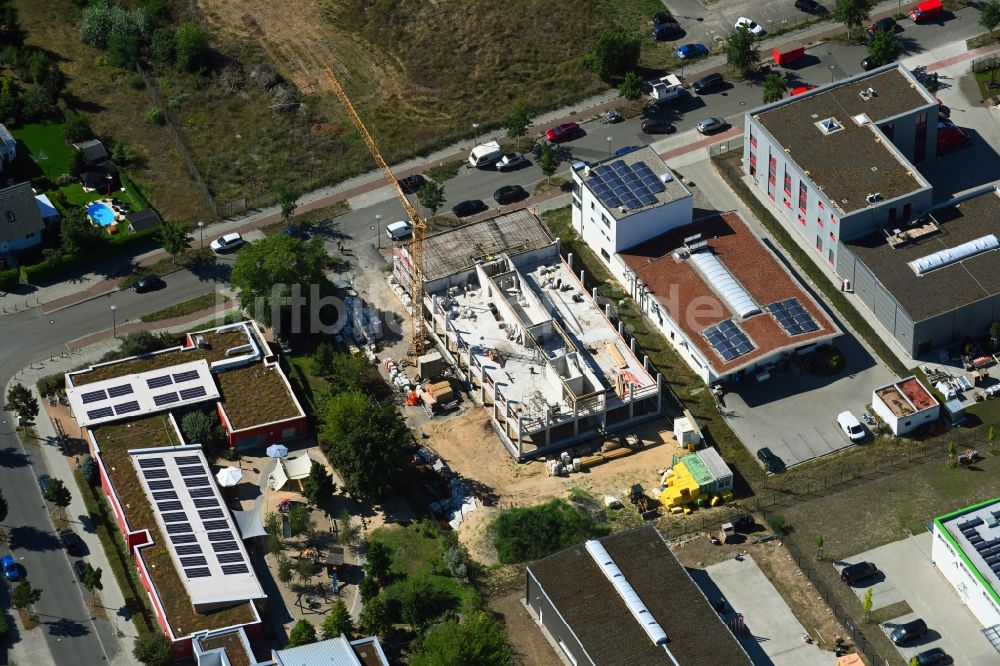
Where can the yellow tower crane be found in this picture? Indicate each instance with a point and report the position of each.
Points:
(419, 340)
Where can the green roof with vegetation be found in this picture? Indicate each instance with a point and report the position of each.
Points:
(254, 395)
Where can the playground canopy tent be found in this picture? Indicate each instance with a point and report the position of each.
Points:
(249, 523)
(290, 469)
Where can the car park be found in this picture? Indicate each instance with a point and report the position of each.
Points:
(663, 32)
(509, 194)
(887, 24)
(755, 28)
(908, 631)
(227, 243)
(708, 83)
(399, 230)
(148, 283)
(512, 161)
(688, 51)
(654, 126)
(411, 184)
(564, 132)
(468, 207)
(810, 6)
(773, 463)
(11, 570)
(851, 426)
(853, 573)
(932, 657)
(709, 125)
(73, 543)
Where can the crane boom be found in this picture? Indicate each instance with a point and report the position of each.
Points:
(419, 225)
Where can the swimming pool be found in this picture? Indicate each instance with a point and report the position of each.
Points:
(101, 214)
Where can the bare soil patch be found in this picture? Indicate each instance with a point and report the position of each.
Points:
(526, 639)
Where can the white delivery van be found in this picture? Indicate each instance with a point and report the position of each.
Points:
(851, 426)
(399, 230)
(485, 155)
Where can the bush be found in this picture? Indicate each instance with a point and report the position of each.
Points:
(531, 533)
(422, 599)
(192, 47)
(478, 640)
(103, 21)
(155, 116)
(9, 279)
(161, 47)
(50, 384)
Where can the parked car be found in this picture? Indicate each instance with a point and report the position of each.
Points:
(625, 150)
(399, 230)
(11, 570)
(887, 24)
(709, 125)
(689, 51)
(73, 543)
(659, 18)
(509, 194)
(773, 463)
(44, 481)
(755, 28)
(295, 231)
(564, 132)
(410, 184)
(852, 573)
(851, 426)
(79, 566)
(801, 89)
(908, 631)
(869, 64)
(148, 283)
(654, 126)
(512, 161)
(933, 656)
(708, 83)
(810, 6)
(227, 243)
(468, 207)
(663, 32)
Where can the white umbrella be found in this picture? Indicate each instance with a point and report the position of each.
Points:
(229, 476)
(277, 451)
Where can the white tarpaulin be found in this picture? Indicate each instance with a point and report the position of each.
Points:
(278, 476)
(249, 523)
(296, 468)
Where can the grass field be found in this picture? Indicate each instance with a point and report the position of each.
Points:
(196, 304)
(48, 149)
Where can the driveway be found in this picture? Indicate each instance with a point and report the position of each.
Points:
(907, 574)
(773, 634)
(794, 413)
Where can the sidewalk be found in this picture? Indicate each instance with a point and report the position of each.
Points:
(174, 325)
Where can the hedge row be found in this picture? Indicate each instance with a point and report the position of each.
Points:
(9, 279)
(49, 268)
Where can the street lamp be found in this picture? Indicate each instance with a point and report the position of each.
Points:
(832, 75)
(114, 320)
(475, 128)
(377, 227)
(609, 146)
(201, 231)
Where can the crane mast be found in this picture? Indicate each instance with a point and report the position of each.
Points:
(419, 341)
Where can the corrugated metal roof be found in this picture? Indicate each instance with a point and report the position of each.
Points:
(333, 652)
(715, 464)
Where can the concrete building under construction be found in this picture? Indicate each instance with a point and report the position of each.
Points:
(540, 353)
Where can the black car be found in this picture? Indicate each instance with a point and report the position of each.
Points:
(708, 83)
(509, 194)
(932, 656)
(908, 631)
(868, 64)
(79, 566)
(147, 283)
(666, 31)
(73, 543)
(810, 6)
(773, 463)
(659, 18)
(468, 207)
(887, 24)
(295, 231)
(411, 184)
(859, 571)
(654, 126)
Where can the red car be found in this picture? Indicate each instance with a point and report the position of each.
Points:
(801, 89)
(563, 132)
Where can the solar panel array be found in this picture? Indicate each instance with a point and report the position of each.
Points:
(988, 549)
(620, 184)
(728, 340)
(793, 317)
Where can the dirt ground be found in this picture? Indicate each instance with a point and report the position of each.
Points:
(526, 639)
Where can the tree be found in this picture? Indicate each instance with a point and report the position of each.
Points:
(162, 46)
(58, 493)
(548, 162)
(199, 427)
(349, 533)
(615, 53)
(631, 87)
(989, 15)
(104, 20)
(478, 640)
(883, 47)
(273, 527)
(284, 569)
(266, 271)
(77, 163)
(866, 603)
(422, 600)
(338, 622)
(300, 520)
(124, 50)
(138, 343)
(191, 48)
(368, 589)
(23, 595)
(378, 561)
(322, 360)
(153, 649)
(374, 618)
(517, 122)
(742, 53)
(303, 633)
(819, 546)
(92, 579)
(76, 128)
(21, 401)
(852, 13)
(76, 233)
(288, 200)
(174, 239)
(365, 440)
(3, 507)
(88, 468)
(775, 86)
(318, 486)
(431, 196)
(306, 569)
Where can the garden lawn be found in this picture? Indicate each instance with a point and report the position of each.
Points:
(47, 147)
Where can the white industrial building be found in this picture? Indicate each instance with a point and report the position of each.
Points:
(905, 405)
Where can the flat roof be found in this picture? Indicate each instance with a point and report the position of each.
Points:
(855, 161)
(636, 163)
(694, 305)
(334, 652)
(456, 249)
(906, 396)
(603, 623)
(256, 394)
(943, 289)
(142, 393)
(976, 532)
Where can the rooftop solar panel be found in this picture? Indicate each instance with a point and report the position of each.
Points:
(100, 413)
(151, 462)
(173, 516)
(159, 382)
(165, 398)
(160, 485)
(191, 470)
(126, 407)
(196, 481)
(169, 506)
(206, 502)
(119, 391)
(183, 538)
(201, 572)
(208, 514)
(93, 396)
(193, 392)
(216, 525)
(728, 340)
(178, 528)
(201, 492)
(165, 495)
(229, 558)
(189, 375)
(233, 569)
(187, 460)
(196, 561)
(155, 473)
(220, 536)
(188, 550)
(222, 546)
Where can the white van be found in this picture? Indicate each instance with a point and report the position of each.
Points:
(851, 426)
(485, 155)
(399, 230)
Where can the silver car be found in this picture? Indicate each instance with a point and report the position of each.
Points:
(711, 125)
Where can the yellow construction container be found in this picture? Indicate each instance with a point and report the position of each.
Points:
(681, 487)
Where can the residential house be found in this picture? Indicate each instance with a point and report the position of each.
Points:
(8, 148)
(21, 223)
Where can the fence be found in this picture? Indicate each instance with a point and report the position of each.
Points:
(986, 63)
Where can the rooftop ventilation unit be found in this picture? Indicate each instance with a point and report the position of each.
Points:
(829, 126)
(627, 593)
(867, 94)
(691, 239)
(666, 177)
(861, 119)
(943, 258)
(873, 198)
(696, 245)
